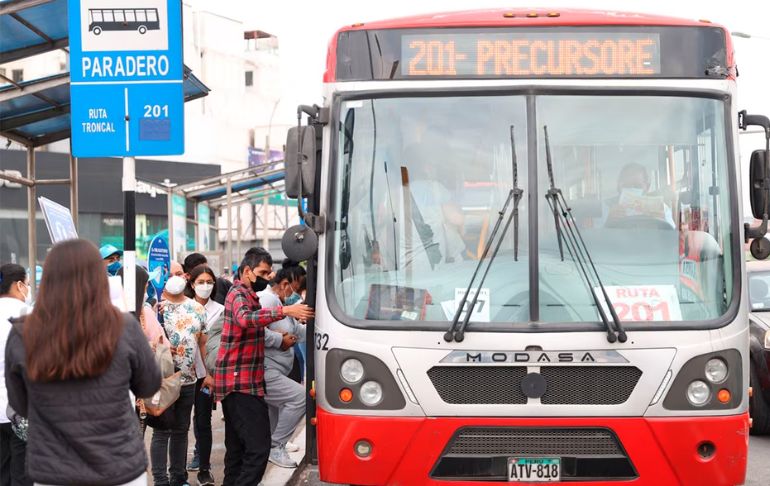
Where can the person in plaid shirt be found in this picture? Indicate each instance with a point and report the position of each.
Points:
(239, 374)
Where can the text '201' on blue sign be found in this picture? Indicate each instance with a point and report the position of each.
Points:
(126, 77)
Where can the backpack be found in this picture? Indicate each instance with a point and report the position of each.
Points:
(214, 334)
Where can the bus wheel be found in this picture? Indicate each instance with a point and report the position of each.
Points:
(142, 29)
(97, 30)
(760, 409)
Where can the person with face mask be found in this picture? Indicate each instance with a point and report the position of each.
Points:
(202, 285)
(111, 258)
(15, 300)
(184, 321)
(298, 285)
(634, 201)
(239, 375)
(285, 397)
(221, 285)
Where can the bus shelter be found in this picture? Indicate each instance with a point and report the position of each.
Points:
(226, 194)
(37, 112)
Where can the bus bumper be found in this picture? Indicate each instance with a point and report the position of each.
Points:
(406, 450)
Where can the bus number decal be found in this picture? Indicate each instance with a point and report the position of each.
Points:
(321, 341)
(154, 111)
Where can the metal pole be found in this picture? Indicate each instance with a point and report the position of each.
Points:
(266, 222)
(253, 208)
(129, 232)
(170, 212)
(74, 189)
(229, 223)
(239, 230)
(31, 220)
(196, 225)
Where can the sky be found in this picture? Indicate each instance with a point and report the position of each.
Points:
(305, 27)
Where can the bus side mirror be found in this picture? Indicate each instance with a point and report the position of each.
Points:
(300, 162)
(759, 187)
(758, 191)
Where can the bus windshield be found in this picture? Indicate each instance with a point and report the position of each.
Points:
(419, 182)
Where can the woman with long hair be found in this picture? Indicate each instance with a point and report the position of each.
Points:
(15, 300)
(70, 365)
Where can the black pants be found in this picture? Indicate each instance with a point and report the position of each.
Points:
(168, 448)
(12, 458)
(202, 426)
(247, 439)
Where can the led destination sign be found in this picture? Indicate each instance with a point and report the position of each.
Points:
(531, 54)
(591, 51)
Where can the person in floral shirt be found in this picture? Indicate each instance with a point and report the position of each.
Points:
(184, 322)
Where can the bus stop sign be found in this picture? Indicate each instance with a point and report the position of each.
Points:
(126, 77)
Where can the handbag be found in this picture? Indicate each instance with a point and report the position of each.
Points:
(160, 407)
(169, 387)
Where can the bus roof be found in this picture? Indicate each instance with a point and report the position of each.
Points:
(524, 17)
(520, 17)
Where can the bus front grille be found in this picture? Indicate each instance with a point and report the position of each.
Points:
(479, 384)
(589, 385)
(585, 454)
(508, 441)
(565, 385)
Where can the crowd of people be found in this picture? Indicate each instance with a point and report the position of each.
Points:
(83, 383)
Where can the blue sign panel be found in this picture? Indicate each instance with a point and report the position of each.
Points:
(126, 77)
(158, 262)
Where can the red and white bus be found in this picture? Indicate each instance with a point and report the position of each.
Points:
(572, 178)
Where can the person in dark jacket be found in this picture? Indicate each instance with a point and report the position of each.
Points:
(70, 365)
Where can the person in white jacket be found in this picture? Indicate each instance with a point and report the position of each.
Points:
(15, 301)
(285, 397)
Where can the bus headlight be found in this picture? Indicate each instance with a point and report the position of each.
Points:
(371, 393)
(352, 370)
(716, 370)
(767, 339)
(698, 393)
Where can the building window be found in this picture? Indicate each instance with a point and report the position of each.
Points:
(17, 75)
(2, 72)
(249, 78)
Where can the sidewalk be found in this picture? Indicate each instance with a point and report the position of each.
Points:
(274, 476)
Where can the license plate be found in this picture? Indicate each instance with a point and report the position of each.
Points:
(533, 469)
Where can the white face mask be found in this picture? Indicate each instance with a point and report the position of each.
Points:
(27, 295)
(175, 285)
(204, 290)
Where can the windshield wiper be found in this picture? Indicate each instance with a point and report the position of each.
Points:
(578, 250)
(515, 194)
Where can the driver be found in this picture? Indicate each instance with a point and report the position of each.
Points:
(634, 199)
(434, 203)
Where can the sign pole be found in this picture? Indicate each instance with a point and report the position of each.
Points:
(129, 232)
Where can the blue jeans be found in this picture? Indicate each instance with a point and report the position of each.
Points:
(168, 449)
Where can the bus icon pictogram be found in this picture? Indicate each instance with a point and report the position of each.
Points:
(123, 19)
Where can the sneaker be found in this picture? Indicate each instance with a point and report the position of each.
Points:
(292, 447)
(195, 464)
(205, 478)
(280, 457)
